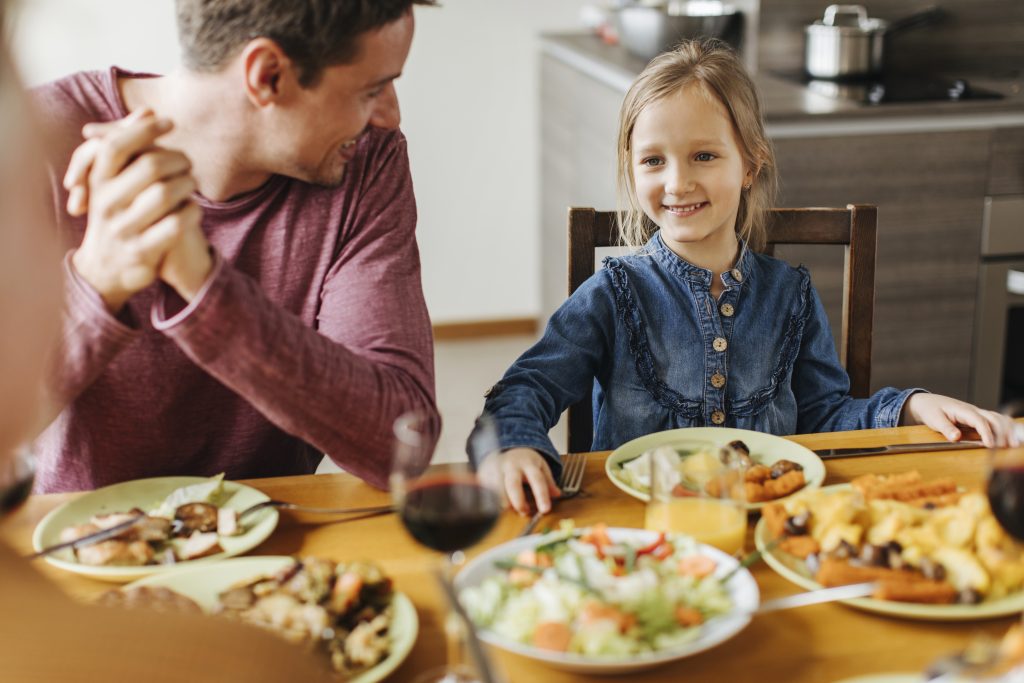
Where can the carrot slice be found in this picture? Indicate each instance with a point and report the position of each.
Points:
(697, 566)
(687, 616)
(552, 635)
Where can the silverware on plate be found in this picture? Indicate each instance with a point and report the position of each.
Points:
(815, 597)
(295, 507)
(91, 539)
(122, 527)
(829, 453)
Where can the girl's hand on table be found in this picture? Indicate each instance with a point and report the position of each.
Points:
(509, 470)
(944, 414)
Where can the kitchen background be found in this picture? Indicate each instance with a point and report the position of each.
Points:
(469, 99)
(510, 109)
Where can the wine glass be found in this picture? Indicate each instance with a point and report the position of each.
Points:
(16, 477)
(1006, 489)
(446, 508)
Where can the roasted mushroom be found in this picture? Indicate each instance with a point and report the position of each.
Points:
(191, 517)
(736, 454)
(781, 467)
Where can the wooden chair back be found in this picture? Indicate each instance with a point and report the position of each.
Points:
(855, 228)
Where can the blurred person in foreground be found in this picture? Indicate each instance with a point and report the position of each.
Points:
(242, 284)
(45, 636)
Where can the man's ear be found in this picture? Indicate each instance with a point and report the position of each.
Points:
(268, 72)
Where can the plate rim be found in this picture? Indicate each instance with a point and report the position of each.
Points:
(259, 533)
(400, 650)
(1005, 606)
(582, 663)
(618, 455)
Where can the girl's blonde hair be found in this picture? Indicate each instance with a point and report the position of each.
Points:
(713, 65)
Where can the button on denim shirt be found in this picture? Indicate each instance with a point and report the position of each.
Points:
(647, 334)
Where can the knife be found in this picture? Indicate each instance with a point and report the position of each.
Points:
(90, 539)
(827, 453)
(816, 597)
(812, 597)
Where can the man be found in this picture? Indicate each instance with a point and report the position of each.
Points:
(243, 289)
(45, 636)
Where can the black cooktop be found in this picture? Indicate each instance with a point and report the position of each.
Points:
(894, 88)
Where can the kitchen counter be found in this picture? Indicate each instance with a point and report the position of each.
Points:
(792, 110)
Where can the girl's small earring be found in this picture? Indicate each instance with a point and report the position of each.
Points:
(746, 188)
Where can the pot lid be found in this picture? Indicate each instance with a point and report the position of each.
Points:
(849, 18)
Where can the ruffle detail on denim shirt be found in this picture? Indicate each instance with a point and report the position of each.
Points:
(787, 355)
(639, 345)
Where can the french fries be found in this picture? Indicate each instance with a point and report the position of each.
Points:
(926, 541)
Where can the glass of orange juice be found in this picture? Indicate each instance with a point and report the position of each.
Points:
(699, 496)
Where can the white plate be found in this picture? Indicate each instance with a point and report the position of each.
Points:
(204, 583)
(765, 449)
(742, 589)
(795, 570)
(148, 494)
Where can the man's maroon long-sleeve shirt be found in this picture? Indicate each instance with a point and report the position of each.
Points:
(310, 336)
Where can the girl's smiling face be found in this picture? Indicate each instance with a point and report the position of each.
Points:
(689, 173)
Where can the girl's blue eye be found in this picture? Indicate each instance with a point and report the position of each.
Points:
(650, 161)
(704, 156)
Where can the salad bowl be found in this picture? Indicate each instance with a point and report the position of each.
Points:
(729, 593)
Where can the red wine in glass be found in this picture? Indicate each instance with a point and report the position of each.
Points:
(448, 514)
(445, 508)
(1006, 495)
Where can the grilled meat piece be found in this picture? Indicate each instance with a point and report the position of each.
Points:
(116, 553)
(237, 598)
(156, 598)
(73, 533)
(147, 528)
(201, 544)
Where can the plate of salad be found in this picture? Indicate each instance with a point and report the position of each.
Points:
(606, 600)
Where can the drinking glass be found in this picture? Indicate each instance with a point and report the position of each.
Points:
(1006, 488)
(699, 496)
(16, 477)
(445, 508)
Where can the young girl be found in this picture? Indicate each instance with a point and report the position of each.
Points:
(695, 328)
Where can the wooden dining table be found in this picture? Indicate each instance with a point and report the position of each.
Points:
(825, 642)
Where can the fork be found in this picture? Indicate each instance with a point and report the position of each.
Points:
(283, 505)
(573, 467)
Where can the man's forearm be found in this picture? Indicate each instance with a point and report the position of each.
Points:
(91, 338)
(340, 400)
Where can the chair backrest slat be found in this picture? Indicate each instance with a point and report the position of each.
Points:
(855, 228)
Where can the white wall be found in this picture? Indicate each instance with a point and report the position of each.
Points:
(470, 106)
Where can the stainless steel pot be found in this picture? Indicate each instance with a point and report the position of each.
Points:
(847, 43)
(647, 30)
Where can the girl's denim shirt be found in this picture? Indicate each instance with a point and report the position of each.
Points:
(662, 353)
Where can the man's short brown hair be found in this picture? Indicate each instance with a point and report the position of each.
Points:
(313, 33)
